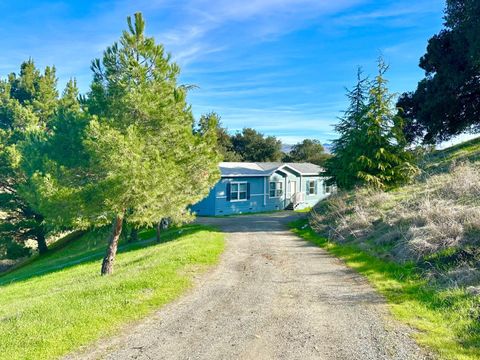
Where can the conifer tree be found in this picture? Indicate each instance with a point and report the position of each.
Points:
(28, 101)
(343, 166)
(139, 155)
(371, 149)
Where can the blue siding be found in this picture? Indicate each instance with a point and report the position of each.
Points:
(218, 203)
(256, 203)
(206, 207)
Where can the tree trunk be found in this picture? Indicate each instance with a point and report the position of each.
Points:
(133, 235)
(108, 260)
(42, 243)
(159, 229)
(162, 224)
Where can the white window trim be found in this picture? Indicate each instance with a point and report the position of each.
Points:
(238, 191)
(309, 187)
(275, 182)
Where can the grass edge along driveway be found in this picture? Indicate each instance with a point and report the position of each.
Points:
(444, 320)
(44, 315)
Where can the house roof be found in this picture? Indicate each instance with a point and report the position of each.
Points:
(237, 169)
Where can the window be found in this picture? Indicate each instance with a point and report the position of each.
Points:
(328, 189)
(276, 189)
(238, 191)
(311, 188)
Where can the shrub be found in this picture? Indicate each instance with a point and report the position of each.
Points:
(434, 222)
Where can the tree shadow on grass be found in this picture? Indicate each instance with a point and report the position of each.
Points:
(54, 262)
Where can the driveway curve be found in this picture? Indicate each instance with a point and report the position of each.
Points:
(273, 296)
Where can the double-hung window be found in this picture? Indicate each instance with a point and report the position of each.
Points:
(238, 191)
(311, 187)
(276, 189)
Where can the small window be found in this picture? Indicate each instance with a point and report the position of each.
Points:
(238, 191)
(311, 187)
(276, 189)
(328, 189)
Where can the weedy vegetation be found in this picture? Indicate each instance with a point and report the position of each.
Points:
(419, 244)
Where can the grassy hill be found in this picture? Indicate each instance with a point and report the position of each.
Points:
(419, 244)
(59, 302)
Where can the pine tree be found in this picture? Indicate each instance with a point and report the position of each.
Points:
(27, 103)
(371, 149)
(139, 154)
(343, 167)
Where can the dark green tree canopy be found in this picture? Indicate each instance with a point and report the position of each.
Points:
(28, 102)
(252, 145)
(447, 101)
(371, 147)
(307, 151)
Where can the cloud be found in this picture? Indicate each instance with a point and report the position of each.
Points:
(389, 14)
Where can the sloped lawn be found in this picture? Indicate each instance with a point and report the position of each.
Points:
(58, 303)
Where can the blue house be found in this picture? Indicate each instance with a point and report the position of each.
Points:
(264, 186)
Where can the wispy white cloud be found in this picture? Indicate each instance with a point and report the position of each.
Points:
(248, 58)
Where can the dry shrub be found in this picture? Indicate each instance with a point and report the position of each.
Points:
(435, 225)
(442, 214)
(343, 217)
(461, 184)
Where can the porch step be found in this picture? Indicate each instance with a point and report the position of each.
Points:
(289, 207)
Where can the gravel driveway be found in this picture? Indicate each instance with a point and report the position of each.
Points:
(273, 296)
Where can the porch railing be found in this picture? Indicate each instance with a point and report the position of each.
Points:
(297, 198)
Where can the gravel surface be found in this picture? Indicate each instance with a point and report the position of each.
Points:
(273, 296)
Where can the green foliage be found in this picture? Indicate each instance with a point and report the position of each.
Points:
(131, 150)
(58, 302)
(248, 145)
(447, 101)
(28, 102)
(251, 145)
(307, 151)
(224, 139)
(371, 149)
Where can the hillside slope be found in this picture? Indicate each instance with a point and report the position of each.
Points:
(433, 222)
(419, 244)
(59, 302)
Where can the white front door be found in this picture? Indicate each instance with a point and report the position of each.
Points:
(293, 188)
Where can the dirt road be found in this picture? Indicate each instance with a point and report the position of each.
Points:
(273, 296)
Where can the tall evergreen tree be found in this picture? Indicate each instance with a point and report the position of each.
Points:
(28, 102)
(139, 155)
(371, 149)
(343, 167)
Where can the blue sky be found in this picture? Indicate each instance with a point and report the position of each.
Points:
(279, 66)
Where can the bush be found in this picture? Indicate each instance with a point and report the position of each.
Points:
(434, 222)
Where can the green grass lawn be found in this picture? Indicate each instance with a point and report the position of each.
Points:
(444, 319)
(59, 302)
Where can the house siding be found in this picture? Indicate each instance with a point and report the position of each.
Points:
(217, 202)
(206, 207)
(256, 203)
(312, 200)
